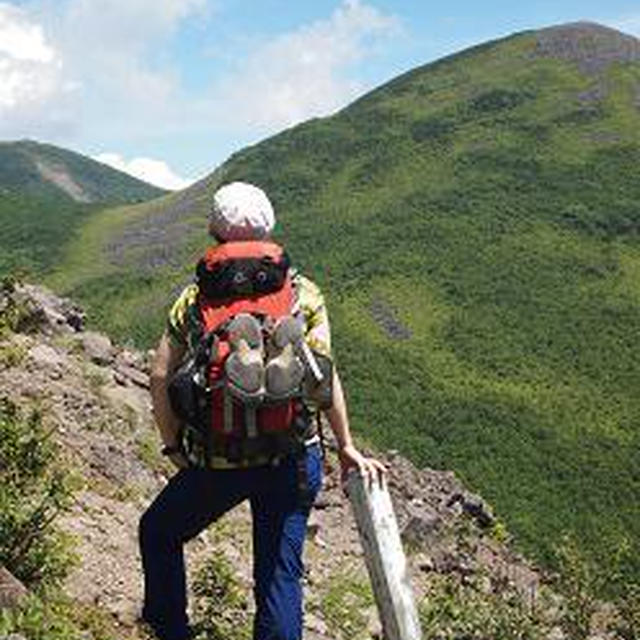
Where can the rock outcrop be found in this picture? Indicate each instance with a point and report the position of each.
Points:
(95, 397)
(12, 591)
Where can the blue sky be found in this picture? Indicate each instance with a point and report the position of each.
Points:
(167, 89)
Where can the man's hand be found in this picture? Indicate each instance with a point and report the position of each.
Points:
(369, 468)
(179, 460)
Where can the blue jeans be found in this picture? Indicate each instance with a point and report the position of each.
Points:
(193, 499)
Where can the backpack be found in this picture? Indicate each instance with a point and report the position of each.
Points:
(240, 280)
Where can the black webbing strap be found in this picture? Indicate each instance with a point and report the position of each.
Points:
(302, 477)
(323, 444)
(240, 449)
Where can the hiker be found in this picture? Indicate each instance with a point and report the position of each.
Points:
(245, 357)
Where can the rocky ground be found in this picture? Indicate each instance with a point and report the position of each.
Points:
(95, 396)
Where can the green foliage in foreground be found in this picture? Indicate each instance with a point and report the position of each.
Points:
(475, 226)
(475, 606)
(582, 584)
(32, 493)
(39, 620)
(220, 607)
(56, 617)
(453, 611)
(345, 605)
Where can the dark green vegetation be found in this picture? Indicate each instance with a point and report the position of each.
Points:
(32, 493)
(46, 193)
(453, 610)
(220, 605)
(35, 487)
(475, 226)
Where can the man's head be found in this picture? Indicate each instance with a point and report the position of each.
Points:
(240, 211)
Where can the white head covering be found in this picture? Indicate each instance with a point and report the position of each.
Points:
(241, 211)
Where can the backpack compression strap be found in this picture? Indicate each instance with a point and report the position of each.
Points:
(275, 305)
(244, 277)
(242, 269)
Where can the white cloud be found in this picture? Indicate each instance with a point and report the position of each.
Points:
(153, 171)
(629, 24)
(101, 71)
(304, 73)
(114, 46)
(84, 65)
(133, 24)
(30, 69)
(20, 39)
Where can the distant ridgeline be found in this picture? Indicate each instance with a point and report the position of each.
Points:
(46, 193)
(475, 226)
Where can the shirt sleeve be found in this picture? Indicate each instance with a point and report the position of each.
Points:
(177, 321)
(314, 309)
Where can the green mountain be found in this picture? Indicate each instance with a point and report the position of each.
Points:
(46, 192)
(475, 226)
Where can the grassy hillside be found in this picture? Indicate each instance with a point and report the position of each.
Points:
(46, 192)
(474, 224)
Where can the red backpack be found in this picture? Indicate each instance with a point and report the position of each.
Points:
(250, 277)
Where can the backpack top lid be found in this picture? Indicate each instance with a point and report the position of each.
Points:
(246, 276)
(220, 253)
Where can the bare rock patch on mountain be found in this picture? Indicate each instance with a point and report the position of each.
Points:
(61, 178)
(592, 46)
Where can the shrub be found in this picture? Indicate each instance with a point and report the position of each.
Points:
(456, 611)
(57, 617)
(628, 604)
(582, 582)
(624, 592)
(434, 129)
(221, 607)
(578, 580)
(39, 620)
(12, 355)
(344, 606)
(498, 100)
(33, 491)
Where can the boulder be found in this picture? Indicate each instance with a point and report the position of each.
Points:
(98, 347)
(420, 530)
(58, 314)
(126, 373)
(12, 591)
(473, 506)
(134, 359)
(44, 356)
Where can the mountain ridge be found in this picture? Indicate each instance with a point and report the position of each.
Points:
(25, 163)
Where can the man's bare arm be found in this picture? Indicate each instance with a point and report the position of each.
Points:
(167, 359)
(339, 421)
